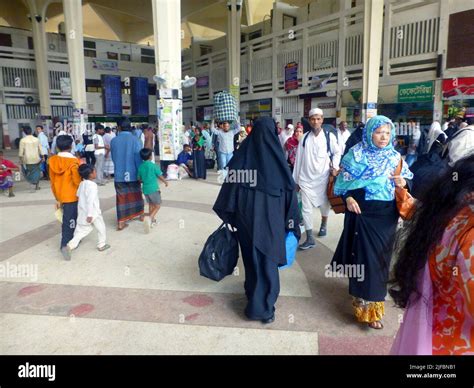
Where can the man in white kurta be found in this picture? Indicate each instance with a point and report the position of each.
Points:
(342, 135)
(311, 174)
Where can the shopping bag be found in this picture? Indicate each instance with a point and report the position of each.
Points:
(220, 254)
(291, 243)
(59, 214)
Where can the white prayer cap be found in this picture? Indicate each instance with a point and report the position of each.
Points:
(316, 111)
(290, 126)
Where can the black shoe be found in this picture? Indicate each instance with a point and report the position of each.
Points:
(269, 320)
(322, 231)
(307, 245)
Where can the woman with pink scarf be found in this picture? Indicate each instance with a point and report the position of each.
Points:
(291, 145)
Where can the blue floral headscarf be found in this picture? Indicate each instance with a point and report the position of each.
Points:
(369, 167)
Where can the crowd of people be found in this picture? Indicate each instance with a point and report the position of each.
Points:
(433, 251)
(293, 166)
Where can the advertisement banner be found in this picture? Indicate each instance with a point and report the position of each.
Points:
(170, 128)
(104, 64)
(202, 82)
(416, 92)
(458, 88)
(208, 113)
(291, 76)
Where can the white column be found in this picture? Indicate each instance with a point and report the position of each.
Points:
(386, 38)
(233, 46)
(75, 49)
(304, 59)
(167, 33)
(4, 127)
(37, 11)
(442, 50)
(344, 5)
(75, 53)
(373, 24)
(249, 67)
(275, 70)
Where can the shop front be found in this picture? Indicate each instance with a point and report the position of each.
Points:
(401, 103)
(251, 110)
(458, 97)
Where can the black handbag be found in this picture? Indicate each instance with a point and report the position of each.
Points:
(220, 254)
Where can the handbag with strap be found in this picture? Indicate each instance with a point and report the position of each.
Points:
(220, 254)
(406, 204)
(338, 204)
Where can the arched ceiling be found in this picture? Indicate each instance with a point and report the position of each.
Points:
(131, 20)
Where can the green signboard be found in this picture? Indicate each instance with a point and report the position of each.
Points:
(416, 92)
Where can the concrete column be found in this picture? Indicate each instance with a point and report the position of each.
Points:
(194, 91)
(233, 47)
(4, 132)
(442, 50)
(211, 88)
(386, 38)
(37, 11)
(373, 24)
(75, 50)
(275, 70)
(249, 67)
(4, 128)
(167, 33)
(342, 81)
(304, 59)
(75, 53)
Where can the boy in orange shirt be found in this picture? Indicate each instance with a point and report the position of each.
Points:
(65, 180)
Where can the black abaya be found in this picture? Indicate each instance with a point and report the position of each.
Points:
(367, 241)
(199, 164)
(262, 212)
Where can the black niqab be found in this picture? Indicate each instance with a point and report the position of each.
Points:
(261, 152)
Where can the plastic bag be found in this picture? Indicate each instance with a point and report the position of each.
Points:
(291, 246)
(172, 172)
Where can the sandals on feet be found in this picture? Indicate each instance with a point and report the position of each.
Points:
(377, 325)
(122, 228)
(101, 249)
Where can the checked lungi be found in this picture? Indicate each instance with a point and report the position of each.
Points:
(129, 200)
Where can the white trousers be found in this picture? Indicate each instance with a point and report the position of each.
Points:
(307, 210)
(82, 231)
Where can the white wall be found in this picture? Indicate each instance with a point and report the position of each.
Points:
(456, 6)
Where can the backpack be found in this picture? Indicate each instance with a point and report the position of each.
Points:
(431, 166)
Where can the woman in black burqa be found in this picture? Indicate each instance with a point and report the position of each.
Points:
(263, 208)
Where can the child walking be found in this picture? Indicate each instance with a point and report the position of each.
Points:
(147, 174)
(89, 212)
(65, 180)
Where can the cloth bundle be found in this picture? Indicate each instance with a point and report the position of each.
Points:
(225, 107)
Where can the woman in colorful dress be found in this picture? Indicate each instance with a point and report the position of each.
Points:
(367, 183)
(434, 274)
(6, 180)
(199, 159)
(291, 146)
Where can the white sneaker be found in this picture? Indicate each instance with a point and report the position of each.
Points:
(154, 223)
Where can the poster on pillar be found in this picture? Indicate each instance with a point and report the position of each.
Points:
(170, 124)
